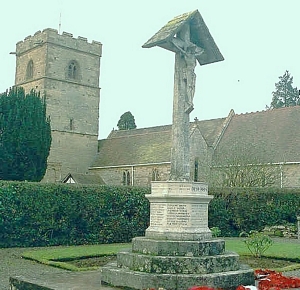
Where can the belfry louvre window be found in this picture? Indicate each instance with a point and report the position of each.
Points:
(29, 70)
(73, 70)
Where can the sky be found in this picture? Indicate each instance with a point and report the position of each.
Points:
(259, 40)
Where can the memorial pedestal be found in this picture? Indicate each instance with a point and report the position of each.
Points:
(179, 211)
(177, 251)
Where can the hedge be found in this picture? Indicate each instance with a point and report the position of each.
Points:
(236, 210)
(37, 214)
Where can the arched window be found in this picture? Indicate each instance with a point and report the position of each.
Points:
(126, 177)
(155, 175)
(29, 70)
(196, 169)
(73, 70)
(72, 124)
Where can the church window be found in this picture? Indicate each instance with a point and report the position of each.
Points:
(29, 70)
(126, 177)
(73, 70)
(155, 175)
(71, 124)
(196, 169)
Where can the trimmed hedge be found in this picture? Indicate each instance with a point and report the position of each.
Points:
(37, 214)
(236, 210)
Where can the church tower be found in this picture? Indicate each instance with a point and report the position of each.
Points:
(67, 71)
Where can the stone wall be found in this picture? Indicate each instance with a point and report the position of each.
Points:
(200, 156)
(140, 175)
(67, 71)
(66, 156)
(291, 175)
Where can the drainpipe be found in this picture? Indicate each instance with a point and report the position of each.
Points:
(132, 172)
(281, 176)
(298, 226)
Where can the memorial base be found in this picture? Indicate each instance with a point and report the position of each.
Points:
(178, 251)
(176, 265)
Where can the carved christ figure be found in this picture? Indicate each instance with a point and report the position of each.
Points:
(184, 35)
(189, 52)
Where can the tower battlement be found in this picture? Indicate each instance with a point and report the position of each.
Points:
(51, 36)
(66, 70)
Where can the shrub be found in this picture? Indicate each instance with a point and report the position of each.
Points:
(215, 231)
(234, 210)
(257, 243)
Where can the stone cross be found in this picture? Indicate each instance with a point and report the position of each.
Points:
(188, 37)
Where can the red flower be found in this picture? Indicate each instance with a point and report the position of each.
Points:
(201, 288)
(271, 280)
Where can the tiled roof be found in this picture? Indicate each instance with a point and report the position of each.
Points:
(269, 136)
(84, 178)
(145, 145)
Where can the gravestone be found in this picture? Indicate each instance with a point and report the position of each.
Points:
(178, 250)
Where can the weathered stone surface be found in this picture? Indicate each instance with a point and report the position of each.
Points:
(116, 276)
(179, 211)
(72, 101)
(178, 251)
(178, 264)
(178, 248)
(199, 31)
(59, 281)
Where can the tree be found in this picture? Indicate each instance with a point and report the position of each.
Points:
(285, 94)
(25, 135)
(126, 121)
(241, 168)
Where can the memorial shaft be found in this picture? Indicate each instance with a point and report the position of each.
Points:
(180, 154)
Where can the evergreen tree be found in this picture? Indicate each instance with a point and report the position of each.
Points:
(285, 94)
(25, 135)
(126, 122)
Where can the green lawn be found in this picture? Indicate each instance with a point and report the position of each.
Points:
(59, 256)
(289, 251)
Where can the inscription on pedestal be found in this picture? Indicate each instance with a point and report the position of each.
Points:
(178, 215)
(179, 188)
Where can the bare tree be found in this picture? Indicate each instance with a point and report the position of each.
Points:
(242, 169)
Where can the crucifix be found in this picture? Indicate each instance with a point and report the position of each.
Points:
(188, 37)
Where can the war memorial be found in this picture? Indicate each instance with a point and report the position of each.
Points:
(178, 250)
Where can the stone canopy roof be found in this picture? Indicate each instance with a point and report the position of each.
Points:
(147, 145)
(200, 36)
(271, 136)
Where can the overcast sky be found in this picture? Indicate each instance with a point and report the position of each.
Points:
(259, 40)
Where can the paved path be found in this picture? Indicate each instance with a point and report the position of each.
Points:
(12, 264)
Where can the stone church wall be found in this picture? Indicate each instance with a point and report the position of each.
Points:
(66, 70)
(66, 156)
(142, 175)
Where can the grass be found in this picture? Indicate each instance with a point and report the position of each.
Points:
(277, 251)
(59, 256)
(62, 257)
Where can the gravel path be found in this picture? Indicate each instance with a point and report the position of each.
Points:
(12, 264)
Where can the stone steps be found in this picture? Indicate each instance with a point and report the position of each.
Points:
(177, 265)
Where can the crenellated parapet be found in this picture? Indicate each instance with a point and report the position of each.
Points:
(52, 37)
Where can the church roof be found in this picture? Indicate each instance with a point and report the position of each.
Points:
(146, 145)
(80, 178)
(200, 36)
(269, 136)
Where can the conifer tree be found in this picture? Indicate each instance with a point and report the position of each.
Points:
(126, 121)
(25, 135)
(285, 94)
